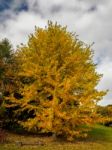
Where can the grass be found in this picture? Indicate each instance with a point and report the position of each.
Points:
(100, 138)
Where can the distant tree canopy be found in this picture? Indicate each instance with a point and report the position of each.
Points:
(106, 114)
(105, 110)
(57, 83)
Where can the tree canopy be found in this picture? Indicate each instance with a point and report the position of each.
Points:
(6, 55)
(57, 83)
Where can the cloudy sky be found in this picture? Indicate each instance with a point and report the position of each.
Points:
(90, 19)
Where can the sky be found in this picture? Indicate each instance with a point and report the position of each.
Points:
(91, 20)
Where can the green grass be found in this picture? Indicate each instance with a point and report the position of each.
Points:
(100, 138)
(101, 133)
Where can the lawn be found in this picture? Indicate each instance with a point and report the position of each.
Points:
(100, 138)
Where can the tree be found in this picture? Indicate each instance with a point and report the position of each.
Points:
(57, 83)
(8, 82)
(5, 61)
(106, 114)
(6, 74)
(6, 55)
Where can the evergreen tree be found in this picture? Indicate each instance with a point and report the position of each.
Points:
(5, 62)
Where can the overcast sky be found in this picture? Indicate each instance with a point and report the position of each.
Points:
(90, 19)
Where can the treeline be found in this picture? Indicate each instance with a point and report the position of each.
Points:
(106, 114)
(49, 85)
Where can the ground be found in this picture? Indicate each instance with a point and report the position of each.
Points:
(100, 138)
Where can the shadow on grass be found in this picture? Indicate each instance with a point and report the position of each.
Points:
(98, 134)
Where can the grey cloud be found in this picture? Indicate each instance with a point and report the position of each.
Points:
(92, 8)
(56, 8)
(105, 83)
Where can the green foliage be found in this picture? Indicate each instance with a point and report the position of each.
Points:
(7, 78)
(5, 62)
(5, 49)
(106, 114)
(5, 55)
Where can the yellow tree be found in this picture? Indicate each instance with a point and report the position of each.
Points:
(57, 83)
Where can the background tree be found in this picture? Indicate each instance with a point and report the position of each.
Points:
(5, 60)
(6, 54)
(8, 82)
(106, 114)
(57, 83)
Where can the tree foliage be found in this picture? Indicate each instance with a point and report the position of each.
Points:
(6, 61)
(106, 114)
(8, 68)
(57, 83)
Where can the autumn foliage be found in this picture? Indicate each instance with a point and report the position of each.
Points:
(56, 84)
